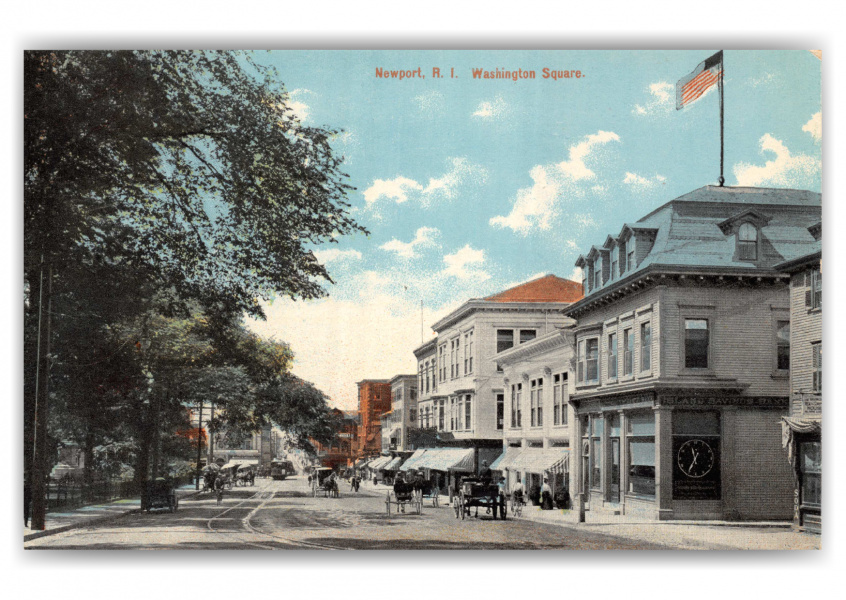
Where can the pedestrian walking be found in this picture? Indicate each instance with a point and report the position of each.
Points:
(546, 495)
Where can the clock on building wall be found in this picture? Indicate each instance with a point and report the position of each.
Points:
(695, 458)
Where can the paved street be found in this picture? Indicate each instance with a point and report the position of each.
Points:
(278, 515)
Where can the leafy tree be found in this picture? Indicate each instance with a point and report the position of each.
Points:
(160, 185)
(189, 161)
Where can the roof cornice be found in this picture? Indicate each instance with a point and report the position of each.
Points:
(657, 274)
(473, 306)
(550, 341)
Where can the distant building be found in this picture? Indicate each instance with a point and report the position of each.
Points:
(462, 388)
(802, 349)
(679, 382)
(403, 415)
(374, 399)
(342, 451)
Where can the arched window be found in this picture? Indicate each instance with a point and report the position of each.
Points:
(747, 242)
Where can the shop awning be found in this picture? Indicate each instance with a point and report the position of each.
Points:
(393, 465)
(506, 459)
(448, 459)
(790, 427)
(412, 461)
(241, 461)
(379, 462)
(540, 460)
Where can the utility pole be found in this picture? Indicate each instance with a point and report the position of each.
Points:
(199, 443)
(42, 379)
(211, 436)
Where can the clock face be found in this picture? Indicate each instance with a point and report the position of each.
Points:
(696, 458)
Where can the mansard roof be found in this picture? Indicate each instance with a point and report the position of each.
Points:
(692, 231)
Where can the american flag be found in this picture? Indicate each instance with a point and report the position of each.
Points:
(706, 74)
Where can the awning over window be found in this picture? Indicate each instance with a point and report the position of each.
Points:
(506, 459)
(378, 462)
(393, 465)
(412, 461)
(242, 461)
(448, 459)
(790, 427)
(540, 460)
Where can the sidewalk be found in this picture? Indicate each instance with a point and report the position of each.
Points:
(83, 516)
(687, 535)
(682, 535)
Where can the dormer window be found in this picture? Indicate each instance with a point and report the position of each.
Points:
(746, 227)
(747, 242)
(597, 273)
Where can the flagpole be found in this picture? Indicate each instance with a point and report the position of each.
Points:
(722, 126)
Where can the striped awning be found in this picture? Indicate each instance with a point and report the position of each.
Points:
(448, 459)
(412, 461)
(540, 460)
(506, 459)
(378, 462)
(393, 465)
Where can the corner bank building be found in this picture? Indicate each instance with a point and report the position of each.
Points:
(682, 358)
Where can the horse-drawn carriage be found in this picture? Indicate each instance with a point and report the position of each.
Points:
(475, 493)
(245, 475)
(161, 494)
(405, 495)
(323, 480)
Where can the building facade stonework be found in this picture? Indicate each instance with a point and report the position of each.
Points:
(679, 384)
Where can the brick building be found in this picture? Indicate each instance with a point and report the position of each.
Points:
(341, 452)
(680, 383)
(374, 399)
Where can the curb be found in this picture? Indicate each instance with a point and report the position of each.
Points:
(92, 521)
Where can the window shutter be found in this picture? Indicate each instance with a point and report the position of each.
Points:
(807, 288)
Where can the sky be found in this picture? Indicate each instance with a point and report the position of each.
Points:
(469, 186)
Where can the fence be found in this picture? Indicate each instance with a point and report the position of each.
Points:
(69, 492)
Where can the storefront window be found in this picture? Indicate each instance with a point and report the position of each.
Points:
(597, 425)
(641, 446)
(696, 451)
(810, 467)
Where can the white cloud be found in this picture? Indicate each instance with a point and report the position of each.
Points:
(576, 275)
(536, 206)
(662, 100)
(785, 170)
(430, 102)
(300, 109)
(762, 79)
(395, 189)
(575, 168)
(573, 244)
(336, 255)
(814, 126)
(444, 187)
(642, 184)
(425, 236)
(494, 109)
(466, 263)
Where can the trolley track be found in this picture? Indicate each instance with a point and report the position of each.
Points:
(264, 496)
